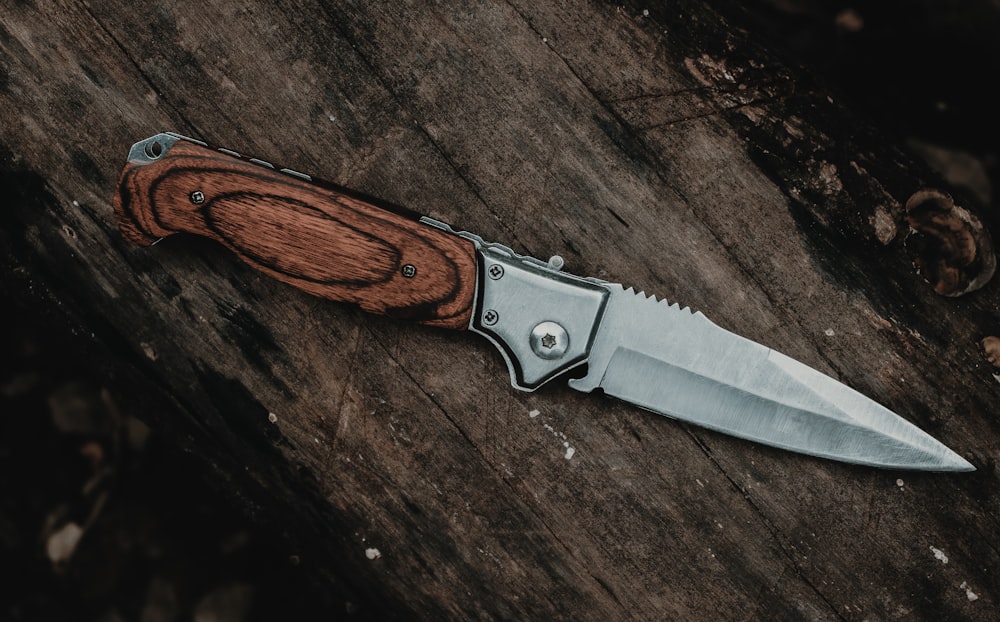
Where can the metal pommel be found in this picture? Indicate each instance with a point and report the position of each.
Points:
(154, 147)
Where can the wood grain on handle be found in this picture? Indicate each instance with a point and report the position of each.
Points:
(320, 240)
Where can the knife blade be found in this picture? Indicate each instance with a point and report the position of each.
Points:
(338, 244)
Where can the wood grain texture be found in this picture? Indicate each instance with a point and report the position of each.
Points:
(322, 241)
(678, 151)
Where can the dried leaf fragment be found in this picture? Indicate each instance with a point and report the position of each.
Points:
(991, 349)
(950, 246)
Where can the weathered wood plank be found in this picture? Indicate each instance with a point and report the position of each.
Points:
(672, 151)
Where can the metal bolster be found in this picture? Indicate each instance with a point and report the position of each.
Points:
(542, 320)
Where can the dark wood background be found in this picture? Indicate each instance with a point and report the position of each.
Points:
(673, 147)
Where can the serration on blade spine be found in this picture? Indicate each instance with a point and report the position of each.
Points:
(643, 296)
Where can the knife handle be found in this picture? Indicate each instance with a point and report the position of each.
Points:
(322, 239)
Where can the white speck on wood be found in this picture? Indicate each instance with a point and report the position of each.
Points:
(273, 418)
(570, 451)
(829, 332)
(61, 544)
(373, 553)
(939, 554)
(149, 350)
(968, 592)
(899, 483)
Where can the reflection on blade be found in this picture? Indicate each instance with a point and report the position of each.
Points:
(680, 364)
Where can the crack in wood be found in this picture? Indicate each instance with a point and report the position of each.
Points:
(343, 418)
(417, 123)
(772, 530)
(715, 112)
(142, 73)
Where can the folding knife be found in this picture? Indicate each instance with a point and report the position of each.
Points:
(340, 245)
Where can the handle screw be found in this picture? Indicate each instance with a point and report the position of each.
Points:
(490, 317)
(549, 340)
(496, 272)
(409, 271)
(197, 197)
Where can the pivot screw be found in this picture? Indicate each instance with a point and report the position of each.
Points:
(409, 271)
(490, 317)
(549, 340)
(496, 272)
(197, 197)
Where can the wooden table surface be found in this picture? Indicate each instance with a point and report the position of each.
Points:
(660, 146)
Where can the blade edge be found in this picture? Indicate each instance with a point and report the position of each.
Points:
(677, 363)
(716, 406)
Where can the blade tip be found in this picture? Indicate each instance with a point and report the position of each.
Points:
(962, 466)
(952, 463)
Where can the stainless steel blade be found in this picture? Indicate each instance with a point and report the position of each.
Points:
(679, 364)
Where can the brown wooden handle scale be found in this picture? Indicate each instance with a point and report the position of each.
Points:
(321, 240)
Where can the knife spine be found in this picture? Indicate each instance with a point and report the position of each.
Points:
(167, 139)
(553, 265)
(483, 244)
